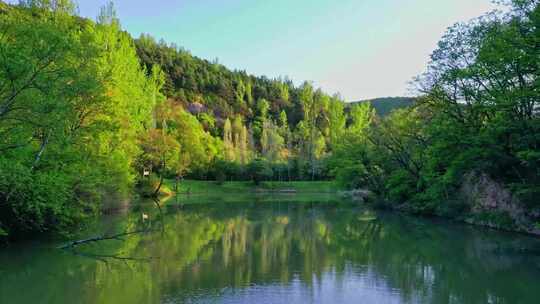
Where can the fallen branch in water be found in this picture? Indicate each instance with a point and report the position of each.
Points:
(104, 258)
(117, 237)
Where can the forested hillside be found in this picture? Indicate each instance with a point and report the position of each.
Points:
(85, 110)
(385, 105)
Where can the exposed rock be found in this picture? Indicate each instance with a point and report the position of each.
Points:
(196, 108)
(357, 194)
(493, 205)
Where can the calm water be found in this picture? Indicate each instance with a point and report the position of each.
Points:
(267, 251)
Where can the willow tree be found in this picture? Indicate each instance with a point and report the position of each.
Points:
(272, 143)
(312, 144)
(337, 121)
(240, 136)
(228, 142)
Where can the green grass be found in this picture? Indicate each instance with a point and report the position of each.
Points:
(196, 192)
(252, 197)
(211, 187)
(304, 187)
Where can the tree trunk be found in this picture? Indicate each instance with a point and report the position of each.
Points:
(156, 193)
(41, 150)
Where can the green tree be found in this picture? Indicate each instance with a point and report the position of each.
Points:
(337, 121)
(73, 102)
(271, 142)
(262, 115)
(482, 89)
(259, 170)
(228, 141)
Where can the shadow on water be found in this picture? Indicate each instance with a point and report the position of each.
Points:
(245, 249)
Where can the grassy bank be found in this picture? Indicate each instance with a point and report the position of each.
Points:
(196, 192)
(211, 187)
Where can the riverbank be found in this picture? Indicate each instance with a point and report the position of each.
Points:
(191, 191)
(492, 211)
(196, 192)
(235, 187)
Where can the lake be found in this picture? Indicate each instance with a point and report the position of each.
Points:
(273, 249)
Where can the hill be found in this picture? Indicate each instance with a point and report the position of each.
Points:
(385, 105)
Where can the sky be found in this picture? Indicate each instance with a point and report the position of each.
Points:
(359, 48)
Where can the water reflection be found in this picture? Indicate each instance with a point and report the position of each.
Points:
(269, 252)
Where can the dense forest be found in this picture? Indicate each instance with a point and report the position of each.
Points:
(87, 111)
(261, 128)
(474, 131)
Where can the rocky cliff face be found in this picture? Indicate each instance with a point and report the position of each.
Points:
(492, 204)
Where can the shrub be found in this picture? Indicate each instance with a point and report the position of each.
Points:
(148, 185)
(38, 201)
(259, 170)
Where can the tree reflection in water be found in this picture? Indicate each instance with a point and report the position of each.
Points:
(242, 251)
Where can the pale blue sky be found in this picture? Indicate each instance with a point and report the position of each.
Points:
(359, 48)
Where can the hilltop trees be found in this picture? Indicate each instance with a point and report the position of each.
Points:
(292, 128)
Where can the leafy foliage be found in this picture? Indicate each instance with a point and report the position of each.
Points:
(293, 128)
(72, 102)
(479, 113)
(86, 111)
